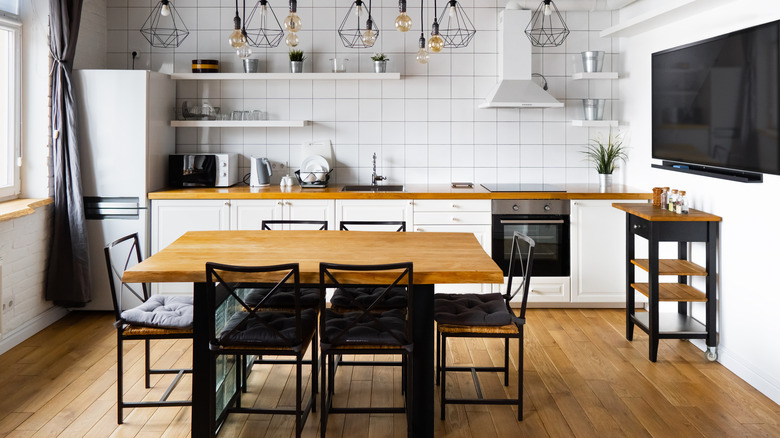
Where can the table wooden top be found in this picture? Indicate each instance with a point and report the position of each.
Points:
(439, 258)
(657, 214)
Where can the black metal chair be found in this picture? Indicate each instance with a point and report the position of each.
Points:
(268, 224)
(156, 317)
(371, 225)
(366, 330)
(254, 330)
(485, 316)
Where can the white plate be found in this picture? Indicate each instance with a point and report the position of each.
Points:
(314, 163)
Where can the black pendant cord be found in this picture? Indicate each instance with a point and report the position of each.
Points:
(435, 20)
(243, 26)
(370, 21)
(237, 19)
(422, 18)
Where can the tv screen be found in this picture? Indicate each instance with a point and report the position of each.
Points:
(715, 102)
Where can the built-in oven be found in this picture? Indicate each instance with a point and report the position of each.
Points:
(546, 221)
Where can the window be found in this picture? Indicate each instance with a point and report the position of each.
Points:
(10, 106)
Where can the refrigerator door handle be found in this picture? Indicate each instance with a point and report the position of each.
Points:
(101, 207)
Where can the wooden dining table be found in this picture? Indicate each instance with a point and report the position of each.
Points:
(438, 258)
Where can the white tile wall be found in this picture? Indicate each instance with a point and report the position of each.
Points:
(425, 128)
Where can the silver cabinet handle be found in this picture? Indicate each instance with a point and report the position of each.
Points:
(532, 221)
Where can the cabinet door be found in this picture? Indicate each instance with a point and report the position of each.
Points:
(374, 210)
(482, 233)
(171, 219)
(248, 214)
(598, 252)
(312, 210)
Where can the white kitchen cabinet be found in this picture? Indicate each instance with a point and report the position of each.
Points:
(248, 214)
(375, 210)
(456, 216)
(598, 251)
(172, 218)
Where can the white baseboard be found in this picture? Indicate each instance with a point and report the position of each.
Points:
(25, 331)
(745, 370)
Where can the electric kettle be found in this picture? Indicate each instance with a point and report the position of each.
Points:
(260, 172)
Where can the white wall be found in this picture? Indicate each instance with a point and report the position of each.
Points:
(425, 128)
(748, 255)
(92, 46)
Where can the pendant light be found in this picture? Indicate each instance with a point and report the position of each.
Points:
(360, 34)
(293, 24)
(263, 28)
(164, 28)
(435, 42)
(457, 30)
(236, 38)
(422, 54)
(403, 22)
(547, 28)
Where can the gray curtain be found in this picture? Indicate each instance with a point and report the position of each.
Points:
(68, 282)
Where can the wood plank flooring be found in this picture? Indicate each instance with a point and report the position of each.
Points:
(582, 378)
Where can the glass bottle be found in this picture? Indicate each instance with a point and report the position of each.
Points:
(672, 200)
(683, 203)
(665, 198)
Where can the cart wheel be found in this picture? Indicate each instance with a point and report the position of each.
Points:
(711, 354)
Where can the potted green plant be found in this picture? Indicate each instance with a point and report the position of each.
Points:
(380, 62)
(296, 61)
(606, 155)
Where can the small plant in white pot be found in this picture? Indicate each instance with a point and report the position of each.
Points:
(380, 62)
(605, 155)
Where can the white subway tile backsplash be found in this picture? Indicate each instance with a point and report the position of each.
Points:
(508, 155)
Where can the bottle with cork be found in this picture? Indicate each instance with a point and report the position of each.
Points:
(665, 197)
(682, 203)
(672, 200)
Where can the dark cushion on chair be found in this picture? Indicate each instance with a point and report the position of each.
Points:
(394, 299)
(253, 331)
(161, 311)
(284, 298)
(471, 309)
(366, 331)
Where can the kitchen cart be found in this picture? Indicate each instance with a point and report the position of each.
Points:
(659, 225)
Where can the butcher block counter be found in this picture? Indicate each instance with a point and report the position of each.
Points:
(438, 191)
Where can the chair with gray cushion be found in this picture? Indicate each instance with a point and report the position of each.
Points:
(156, 317)
(246, 330)
(485, 316)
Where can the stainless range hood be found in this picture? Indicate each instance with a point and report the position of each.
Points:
(515, 89)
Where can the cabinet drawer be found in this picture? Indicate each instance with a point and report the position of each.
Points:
(544, 290)
(452, 205)
(467, 217)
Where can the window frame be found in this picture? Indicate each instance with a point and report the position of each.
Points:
(13, 24)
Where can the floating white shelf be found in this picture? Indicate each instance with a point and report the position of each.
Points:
(285, 76)
(674, 11)
(595, 123)
(599, 75)
(239, 123)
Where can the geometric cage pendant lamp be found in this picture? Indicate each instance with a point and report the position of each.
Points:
(455, 26)
(358, 30)
(164, 28)
(547, 28)
(262, 26)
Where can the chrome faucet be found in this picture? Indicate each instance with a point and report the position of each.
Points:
(374, 176)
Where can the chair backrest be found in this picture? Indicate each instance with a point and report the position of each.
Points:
(520, 264)
(223, 289)
(372, 225)
(121, 254)
(400, 275)
(299, 224)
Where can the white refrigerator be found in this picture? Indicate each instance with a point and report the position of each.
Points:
(125, 137)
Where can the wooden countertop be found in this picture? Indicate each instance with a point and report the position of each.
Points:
(657, 214)
(438, 191)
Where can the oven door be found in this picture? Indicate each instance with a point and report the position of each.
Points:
(551, 234)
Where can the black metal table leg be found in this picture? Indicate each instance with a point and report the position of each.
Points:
(203, 371)
(712, 239)
(653, 317)
(630, 295)
(423, 367)
(682, 254)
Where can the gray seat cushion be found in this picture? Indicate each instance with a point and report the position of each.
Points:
(161, 311)
(244, 329)
(395, 298)
(366, 331)
(471, 309)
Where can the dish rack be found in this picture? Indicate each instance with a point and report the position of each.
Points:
(314, 179)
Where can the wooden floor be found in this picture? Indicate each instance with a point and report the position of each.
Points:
(582, 378)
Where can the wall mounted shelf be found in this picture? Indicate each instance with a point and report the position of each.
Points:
(599, 75)
(595, 123)
(239, 123)
(285, 76)
(675, 11)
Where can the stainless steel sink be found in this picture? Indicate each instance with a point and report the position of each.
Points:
(370, 188)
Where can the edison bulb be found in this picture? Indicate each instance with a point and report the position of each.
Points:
(422, 56)
(403, 22)
(358, 10)
(291, 39)
(292, 22)
(244, 51)
(547, 9)
(236, 39)
(436, 43)
(452, 11)
(369, 37)
(165, 10)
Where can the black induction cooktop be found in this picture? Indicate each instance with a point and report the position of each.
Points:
(523, 187)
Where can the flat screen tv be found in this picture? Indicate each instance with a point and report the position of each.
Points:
(715, 103)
